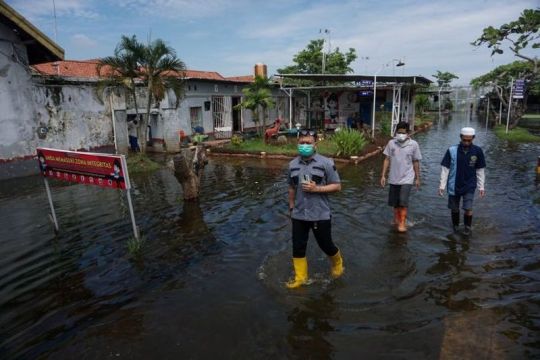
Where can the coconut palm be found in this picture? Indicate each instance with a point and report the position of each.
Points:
(258, 95)
(154, 66)
(160, 69)
(122, 69)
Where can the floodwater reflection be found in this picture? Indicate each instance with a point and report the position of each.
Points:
(209, 279)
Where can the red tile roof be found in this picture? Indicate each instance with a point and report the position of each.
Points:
(68, 68)
(205, 75)
(87, 69)
(243, 78)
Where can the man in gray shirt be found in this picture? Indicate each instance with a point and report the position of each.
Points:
(403, 157)
(311, 177)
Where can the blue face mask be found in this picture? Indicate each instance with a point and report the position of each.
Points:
(306, 150)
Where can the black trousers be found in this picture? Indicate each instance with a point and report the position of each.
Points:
(322, 230)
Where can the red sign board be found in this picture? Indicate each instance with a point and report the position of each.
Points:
(104, 170)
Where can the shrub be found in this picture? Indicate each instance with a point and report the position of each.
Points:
(236, 140)
(384, 119)
(348, 142)
(141, 163)
(422, 103)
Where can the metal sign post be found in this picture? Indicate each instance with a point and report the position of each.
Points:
(128, 194)
(53, 213)
(105, 170)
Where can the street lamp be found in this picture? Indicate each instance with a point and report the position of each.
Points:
(375, 100)
(325, 31)
(366, 59)
(397, 64)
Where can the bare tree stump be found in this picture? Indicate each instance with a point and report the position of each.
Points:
(188, 167)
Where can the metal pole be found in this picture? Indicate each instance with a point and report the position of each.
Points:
(500, 112)
(309, 107)
(487, 113)
(49, 196)
(509, 104)
(114, 125)
(128, 191)
(439, 100)
(374, 101)
(132, 214)
(290, 110)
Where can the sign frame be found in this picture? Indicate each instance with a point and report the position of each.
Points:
(101, 169)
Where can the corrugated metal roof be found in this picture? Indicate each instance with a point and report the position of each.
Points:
(358, 78)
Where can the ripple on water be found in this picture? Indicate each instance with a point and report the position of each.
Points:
(218, 266)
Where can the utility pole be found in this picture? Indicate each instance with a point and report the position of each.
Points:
(509, 104)
(325, 31)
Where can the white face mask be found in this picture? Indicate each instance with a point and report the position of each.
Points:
(401, 137)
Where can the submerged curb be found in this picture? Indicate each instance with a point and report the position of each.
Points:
(353, 160)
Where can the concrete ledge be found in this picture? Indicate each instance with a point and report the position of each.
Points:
(354, 160)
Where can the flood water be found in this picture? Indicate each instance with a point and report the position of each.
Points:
(210, 279)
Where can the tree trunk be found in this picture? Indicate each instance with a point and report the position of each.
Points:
(263, 120)
(146, 120)
(188, 167)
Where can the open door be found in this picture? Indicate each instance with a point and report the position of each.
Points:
(236, 115)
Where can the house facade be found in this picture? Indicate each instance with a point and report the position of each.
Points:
(22, 46)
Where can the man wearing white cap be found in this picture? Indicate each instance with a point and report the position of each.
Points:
(463, 171)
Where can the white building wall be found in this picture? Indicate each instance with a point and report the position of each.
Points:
(74, 116)
(17, 124)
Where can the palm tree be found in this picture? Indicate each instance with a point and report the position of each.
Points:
(122, 69)
(154, 65)
(160, 69)
(256, 96)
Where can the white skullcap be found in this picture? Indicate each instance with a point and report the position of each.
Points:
(467, 131)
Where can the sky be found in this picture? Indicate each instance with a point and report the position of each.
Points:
(231, 36)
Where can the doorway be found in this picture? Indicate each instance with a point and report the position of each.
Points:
(236, 115)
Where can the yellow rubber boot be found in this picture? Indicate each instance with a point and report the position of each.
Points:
(300, 273)
(337, 265)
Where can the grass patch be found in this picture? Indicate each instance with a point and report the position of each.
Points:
(141, 163)
(257, 145)
(421, 119)
(517, 134)
(135, 245)
(531, 116)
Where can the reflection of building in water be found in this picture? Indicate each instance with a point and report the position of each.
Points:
(309, 326)
(452, 262)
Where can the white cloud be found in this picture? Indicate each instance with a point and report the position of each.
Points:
(230, 36)
(83, 41)
(430, 36)
(36, 9)
(179, 9)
